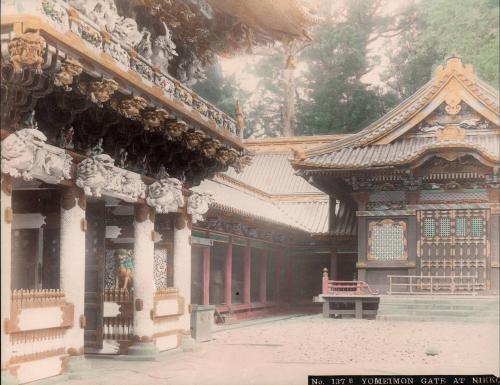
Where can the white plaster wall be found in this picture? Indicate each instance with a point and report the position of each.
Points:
(40, 318)
(72, 270)
(143, 277)
(182, 271)
(36, 370)
(5, 202)
(166, 307)
(166, 342)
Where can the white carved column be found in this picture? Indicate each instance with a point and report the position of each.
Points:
(6, 226)
(182, 266)
(72, 264)
(143, 279)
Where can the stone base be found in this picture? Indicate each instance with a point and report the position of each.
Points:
(188, 344)
(8, 379)
(77, 367)
(141, 351)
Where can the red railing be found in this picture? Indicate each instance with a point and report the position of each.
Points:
(330, 287)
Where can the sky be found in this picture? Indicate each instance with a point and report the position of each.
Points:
(236, 65)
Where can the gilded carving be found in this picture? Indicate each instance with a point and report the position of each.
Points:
(176, 129)
(99, 91)
(209, 147)
(27, 50)
(450, 132)
(69, 69)
(130, 107)
(153, 119)
(193, 139)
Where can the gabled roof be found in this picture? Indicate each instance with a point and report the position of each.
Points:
(383, 142)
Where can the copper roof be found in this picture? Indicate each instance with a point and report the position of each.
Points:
(402, 151)
(454, 80)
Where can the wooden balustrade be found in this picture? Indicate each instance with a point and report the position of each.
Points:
(117, 295)
(330, 287)
(167, 292)
(422, 284)
(26, 298)
(118, 328)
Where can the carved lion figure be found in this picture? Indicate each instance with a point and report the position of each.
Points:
(165, 195)
(198, 204)
(192, 139)
(153, 119)
(175, 130)
(19, 152)
(93, 174)
(27, 50)
(99, 91)
(131, 107)
(69, 69)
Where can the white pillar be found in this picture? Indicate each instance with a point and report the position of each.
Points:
(182, 266)
(143, 279)
(6, 226)
(72, 263)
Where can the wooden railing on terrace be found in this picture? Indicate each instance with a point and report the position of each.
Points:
(437, 284)
(25, 298)
(331, 287)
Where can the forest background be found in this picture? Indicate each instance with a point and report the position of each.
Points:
(365, 57)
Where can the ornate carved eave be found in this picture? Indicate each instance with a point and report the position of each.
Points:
(76, 59)
(198, 205)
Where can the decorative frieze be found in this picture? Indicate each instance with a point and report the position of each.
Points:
(98, 175)
(198, 205)
(26, 155)
(165, 195)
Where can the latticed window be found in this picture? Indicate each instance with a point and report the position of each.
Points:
(476, 226)
(387, 241)
(460, 226)
(444, 227)
(429, 227)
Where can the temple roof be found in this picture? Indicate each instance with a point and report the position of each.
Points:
(276, 18)
(416, 125)
(403, 151)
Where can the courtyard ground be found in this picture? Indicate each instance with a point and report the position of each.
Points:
(284, 350)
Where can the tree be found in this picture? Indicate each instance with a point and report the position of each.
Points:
(334, 98)
(219, 90)
(436, 29)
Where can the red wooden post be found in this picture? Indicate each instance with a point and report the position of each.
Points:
(263, 276)
(277, 274)
(206, 275)
(246, 274)
(228, 272)
(325, 281)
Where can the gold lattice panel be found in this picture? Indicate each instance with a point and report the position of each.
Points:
(454, 243)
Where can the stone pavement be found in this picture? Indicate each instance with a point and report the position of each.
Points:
(284, 350)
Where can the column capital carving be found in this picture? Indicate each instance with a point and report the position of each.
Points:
(198, 205)
(165, 195)
(70, 196)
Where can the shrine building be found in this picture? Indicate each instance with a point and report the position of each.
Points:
(128, 202)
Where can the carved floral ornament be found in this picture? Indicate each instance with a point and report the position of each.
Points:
(198, 205)
(26, 155)
(27, 50)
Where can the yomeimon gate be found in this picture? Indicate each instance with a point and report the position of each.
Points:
(102, 142)
(423, 183)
